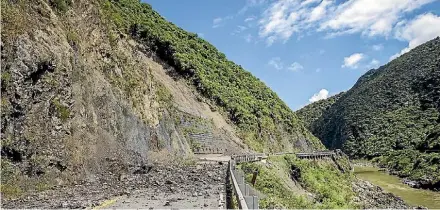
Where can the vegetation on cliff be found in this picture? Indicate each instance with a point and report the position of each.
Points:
(287, 182)
(265, 122)
(392, 112)
(310, 113)
(87, 88)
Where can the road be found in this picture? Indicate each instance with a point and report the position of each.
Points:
(203, 187)
(207, 158)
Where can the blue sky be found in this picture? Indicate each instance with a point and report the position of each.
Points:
(306, 50)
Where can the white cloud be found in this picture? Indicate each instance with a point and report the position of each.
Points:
(307, 2)
(370, 17)
(276, 63)
(250, 18)
(279, 21)
(373, 64)
(253, 3)
(217, 22)
(239, 29)
(417, 31)
(319, 11)
(353, 60)
(295, 67)
(250, 4)
(284, 18)
(220, 21)
(248, 38)
(377, 47)
(242, 28)
(322, 94)
(270, 40)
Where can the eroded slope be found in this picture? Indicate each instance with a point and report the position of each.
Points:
(108, 87)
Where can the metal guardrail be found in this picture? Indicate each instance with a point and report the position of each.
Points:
(248, 158)
(315, 155)
(306, 155)
(239, 195)
(247, 197)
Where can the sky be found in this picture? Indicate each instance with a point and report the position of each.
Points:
(307, 50)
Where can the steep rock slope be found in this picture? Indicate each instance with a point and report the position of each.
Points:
(86, 91)
(392, 112)
(263, 120)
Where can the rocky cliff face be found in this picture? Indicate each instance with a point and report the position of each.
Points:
(80, 99)
(80, 96)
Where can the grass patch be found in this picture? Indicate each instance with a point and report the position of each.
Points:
(63, 111)
(10, 190)
(72, 38)
(332, 188)
(278, 194)
(164, 96)
(14, 19)
(113, 39)
(6, 78)
(195, 145)
(61, 5)
(9, 187)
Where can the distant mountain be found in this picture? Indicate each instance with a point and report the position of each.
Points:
(392, 113)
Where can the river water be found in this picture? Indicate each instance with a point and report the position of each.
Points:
(392, 184)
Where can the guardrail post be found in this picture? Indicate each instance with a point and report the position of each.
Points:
(255, 202)
(241, 188)
(249, 201)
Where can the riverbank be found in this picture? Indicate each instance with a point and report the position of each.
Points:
(392, 184)
(424, 184)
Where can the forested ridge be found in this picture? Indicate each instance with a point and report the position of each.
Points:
(263, 119)
(310, 113)
(391, 115)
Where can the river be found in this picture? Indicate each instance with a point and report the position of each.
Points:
(393, 184)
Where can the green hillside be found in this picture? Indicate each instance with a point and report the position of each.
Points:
(310, 113)
(392, 113)
(263, 119)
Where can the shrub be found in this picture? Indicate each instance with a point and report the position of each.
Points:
(331, 187)
(61, 5)
(63, 111)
